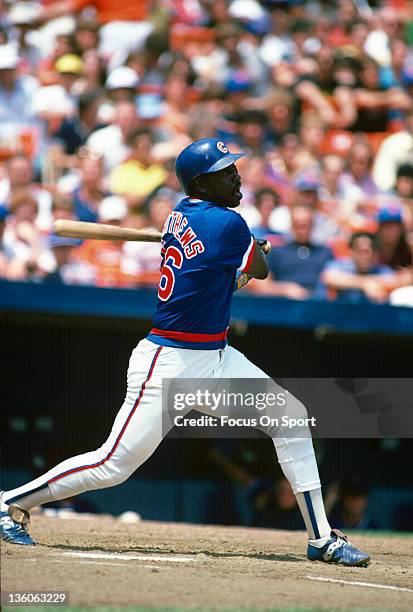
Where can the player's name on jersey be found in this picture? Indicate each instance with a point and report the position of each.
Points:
(177, 225)
(263, 420)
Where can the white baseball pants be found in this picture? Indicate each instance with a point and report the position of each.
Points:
(138, 430)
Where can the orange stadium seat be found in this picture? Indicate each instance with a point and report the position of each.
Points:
(182, 35)
(337, 142)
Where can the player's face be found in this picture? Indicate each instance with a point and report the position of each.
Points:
(224, 187)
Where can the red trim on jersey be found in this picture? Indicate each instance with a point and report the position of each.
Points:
(122, 431)
(250, 257)
(174, 335)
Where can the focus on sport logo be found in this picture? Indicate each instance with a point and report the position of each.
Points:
(222, 147)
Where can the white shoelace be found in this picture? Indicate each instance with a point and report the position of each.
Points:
(333, 547)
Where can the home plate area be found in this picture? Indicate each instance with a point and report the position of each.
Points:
(103, 562)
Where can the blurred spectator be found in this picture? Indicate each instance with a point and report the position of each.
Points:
(94, 71)
(111, 141)
(252, 130)
(360, 278)
(86, 35)
(151, 111)
(70, 69)
(287, 515)
(289, 277)
(21, 237)
(311, 89)
(147, 63)
(22, 17)
(62, 207)
(52, 105)
(235, 55)
(253, 175)
(121, 84)
(105, 257)
(67, 269)
(170, 187)
(271, 501)
(393, 248)
(266, 201)
(374, 102)
(404, 192)
(387, 28)
(143, 260)
(395, 150)
(137, 177)
(396, 75)
(16, 93)
(280, 105)
(176, 92)
(324, 226)
(404, 181)
(74, 131)
(124, 23)
(360, 159)
(62, 44)
(312, 133)
(351, 510)
(18, 181)
(338, 199)
(9, 267)
(273, 505)
(90, 185)
(278, 45)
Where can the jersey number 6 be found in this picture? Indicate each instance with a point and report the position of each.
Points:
(173, 259)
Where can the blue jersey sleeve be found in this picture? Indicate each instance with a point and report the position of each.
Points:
(235, 244)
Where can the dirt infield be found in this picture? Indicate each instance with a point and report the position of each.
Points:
(103, 562)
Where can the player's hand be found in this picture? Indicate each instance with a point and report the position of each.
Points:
(264, 245)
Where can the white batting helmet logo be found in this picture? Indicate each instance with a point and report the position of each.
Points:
(221, 146)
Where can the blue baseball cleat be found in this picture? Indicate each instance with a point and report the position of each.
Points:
(13, 526)
(338, 550)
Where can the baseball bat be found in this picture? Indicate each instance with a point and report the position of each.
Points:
(101, 231)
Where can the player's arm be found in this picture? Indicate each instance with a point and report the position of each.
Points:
(234, 247)
(258, 267)
(243, 278)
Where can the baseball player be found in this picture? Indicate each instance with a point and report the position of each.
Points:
(205, 247)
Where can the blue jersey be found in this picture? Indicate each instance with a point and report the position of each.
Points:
(203, 245)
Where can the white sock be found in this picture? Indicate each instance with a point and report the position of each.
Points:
(312, 509)
(320, 543)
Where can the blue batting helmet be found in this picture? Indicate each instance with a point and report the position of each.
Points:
(202, 157)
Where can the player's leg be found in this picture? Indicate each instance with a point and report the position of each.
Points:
(138, 429)
(136, 432)
(115, 459)
(295, 455)
(297, 460)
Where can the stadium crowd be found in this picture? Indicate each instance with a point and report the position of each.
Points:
(97, 98)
